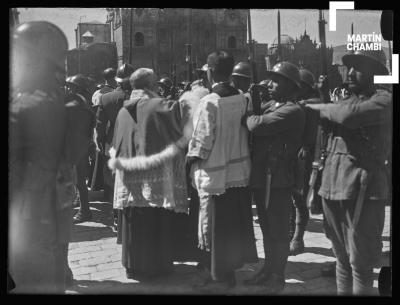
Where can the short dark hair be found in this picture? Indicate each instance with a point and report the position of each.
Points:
(221, 62)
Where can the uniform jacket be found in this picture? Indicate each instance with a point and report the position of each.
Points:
(359, 143)
(80, 123)
(37, 129)
(277, 137)
(109, 106)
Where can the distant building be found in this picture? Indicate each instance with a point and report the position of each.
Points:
(157, 38)
(93, 31)
(304, 53)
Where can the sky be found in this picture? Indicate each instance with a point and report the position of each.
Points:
(264, 22)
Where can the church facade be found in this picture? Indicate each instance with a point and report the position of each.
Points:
(158, 38)
(304, 53)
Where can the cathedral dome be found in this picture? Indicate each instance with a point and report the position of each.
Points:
(285, 39)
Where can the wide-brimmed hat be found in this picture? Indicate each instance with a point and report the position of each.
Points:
(375, 58)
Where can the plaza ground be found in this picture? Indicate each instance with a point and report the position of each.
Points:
(95, 260)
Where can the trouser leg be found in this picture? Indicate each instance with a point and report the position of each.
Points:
(274, 223)
(302, 218)
(365, 245)
(334, 225)
(82, 171)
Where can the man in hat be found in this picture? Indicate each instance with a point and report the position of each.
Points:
(109, 106)
(277, 134)
(109, 85)
(165, 87)
(356, 176)
(39, 223)
(98, 162)
(220, 167)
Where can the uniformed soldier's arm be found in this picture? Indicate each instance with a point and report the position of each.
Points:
(374, 111)
(203, 137)
(280, 120)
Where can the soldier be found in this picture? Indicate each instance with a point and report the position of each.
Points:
(277, 134)
(109, 106)
(96, 170)
(165, 87)
(109, 85)
(40, 221)
(78, 97)
(356, 177)
(299, 212)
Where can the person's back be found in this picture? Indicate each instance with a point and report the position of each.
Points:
(38, 241)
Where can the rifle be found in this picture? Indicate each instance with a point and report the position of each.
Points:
(314, 201)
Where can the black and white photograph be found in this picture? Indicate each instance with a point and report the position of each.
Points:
(200, 151)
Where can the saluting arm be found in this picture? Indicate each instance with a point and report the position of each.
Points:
(374, 111)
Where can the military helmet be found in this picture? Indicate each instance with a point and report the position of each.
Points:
(79, 80)
(124, 72)
(307, 78)
(109, 73)
(242, 69)
(288, 71)
(165, 81)
(375, 58)
(43, 40)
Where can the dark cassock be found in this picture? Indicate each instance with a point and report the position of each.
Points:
(221, 178)
(150, 186)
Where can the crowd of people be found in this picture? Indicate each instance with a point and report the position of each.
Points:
(183, 165)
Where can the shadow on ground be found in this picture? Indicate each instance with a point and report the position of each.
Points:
(100, 226)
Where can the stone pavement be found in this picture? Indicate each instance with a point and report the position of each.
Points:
(95, 260)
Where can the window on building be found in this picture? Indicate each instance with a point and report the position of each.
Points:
(231, 42)
(139, 39)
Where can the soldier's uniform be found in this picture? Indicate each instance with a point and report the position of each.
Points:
(277, 134)
(109, 106)
(81, 120)
(355, 178)
(39, 222)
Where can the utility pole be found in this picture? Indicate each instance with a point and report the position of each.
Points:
(279, 37)
(322, 39)
(251, 47)
(130, 35)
